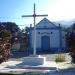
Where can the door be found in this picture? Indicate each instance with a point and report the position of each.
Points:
(45, 41)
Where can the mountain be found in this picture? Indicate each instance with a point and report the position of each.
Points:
(66, 23)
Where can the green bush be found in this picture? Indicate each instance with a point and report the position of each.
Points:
(60, 58)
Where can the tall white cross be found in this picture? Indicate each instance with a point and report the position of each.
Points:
(34, 16)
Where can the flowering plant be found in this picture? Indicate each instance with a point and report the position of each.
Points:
(5, 45)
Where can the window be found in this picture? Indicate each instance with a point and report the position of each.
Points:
(38, 32)
(51, 32)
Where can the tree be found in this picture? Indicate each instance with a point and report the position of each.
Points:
(70, 39)
(27, 30)
(23, 39)
(10, 26)
(13, 28)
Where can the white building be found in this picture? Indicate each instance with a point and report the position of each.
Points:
(49, 37)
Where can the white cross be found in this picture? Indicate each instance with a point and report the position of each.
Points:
(34, 16)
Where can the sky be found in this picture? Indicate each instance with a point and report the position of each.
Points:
(57, 10)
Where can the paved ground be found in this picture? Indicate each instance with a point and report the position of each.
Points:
(65, 68)
(65, 72)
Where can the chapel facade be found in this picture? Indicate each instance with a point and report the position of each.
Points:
(49, 37)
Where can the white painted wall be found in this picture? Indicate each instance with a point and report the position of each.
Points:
(54, 37)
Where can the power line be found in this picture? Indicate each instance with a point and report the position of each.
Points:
(10, 18)
(24, 25)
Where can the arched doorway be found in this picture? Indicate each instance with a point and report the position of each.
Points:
(45, 43)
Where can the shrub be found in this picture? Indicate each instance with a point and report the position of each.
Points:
(60, 58)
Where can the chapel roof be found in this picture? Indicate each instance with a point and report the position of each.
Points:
(46, 23)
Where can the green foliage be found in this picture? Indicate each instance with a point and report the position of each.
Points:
(11, 26)
(60, 58)
(4, 34)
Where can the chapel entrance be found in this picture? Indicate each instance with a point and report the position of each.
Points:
(45, 43)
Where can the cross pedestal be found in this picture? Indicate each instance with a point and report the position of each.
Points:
(34, 60)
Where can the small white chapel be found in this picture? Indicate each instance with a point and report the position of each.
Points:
(49, 37)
